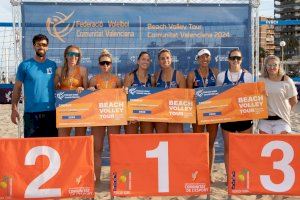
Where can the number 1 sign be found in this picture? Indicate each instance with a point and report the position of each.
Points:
(46, 168)
(269, 166)
(159, 165)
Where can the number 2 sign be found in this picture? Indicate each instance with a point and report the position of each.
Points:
(269, 166)
(46, 168)
(159, 165)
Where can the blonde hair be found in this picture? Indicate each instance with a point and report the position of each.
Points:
(104, 53)
(264, 71)
(65, 68)
(163, 51)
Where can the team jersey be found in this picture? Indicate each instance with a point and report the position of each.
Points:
(138, 83)
(210, 80)
(167, 84)
(106, 84)
(73, 81)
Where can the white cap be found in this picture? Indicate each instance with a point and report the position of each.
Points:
(201, 52)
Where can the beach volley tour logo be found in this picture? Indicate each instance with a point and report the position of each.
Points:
(58, 25)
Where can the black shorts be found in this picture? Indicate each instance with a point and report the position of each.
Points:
(237, 126)
(40, 124)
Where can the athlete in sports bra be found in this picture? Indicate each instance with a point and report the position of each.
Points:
(167, 77)
(204, 76)
(104, 80)
(71, 76)
(234, 75)
(140, 78)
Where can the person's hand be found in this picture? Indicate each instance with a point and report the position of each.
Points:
(15, 117)
(126, 90)
(133, 122)
(92, 89)
(79, 90)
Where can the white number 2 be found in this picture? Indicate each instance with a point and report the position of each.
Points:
(282, 165)
(33, 191)
(161, 153)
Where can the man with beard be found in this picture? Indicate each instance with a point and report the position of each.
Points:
(37, 75)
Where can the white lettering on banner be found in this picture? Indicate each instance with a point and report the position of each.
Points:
(177, 107)
(282, 165)
(33, 189)
(162, 154)
(109, 109)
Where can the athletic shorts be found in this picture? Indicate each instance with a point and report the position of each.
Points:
(237, 126)
(274, 126)
(40, 124)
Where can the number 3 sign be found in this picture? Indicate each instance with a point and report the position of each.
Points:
(46, 167)
(159, 165)
(269, 166)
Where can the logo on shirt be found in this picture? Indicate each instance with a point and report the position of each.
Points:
(49, 70)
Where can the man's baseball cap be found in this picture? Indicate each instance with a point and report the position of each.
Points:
(201, 52)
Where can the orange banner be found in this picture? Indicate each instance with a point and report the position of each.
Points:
(100, 108)
(159, 165)
(218, 104)
(174, 105)
(46, 168)
(270, 165)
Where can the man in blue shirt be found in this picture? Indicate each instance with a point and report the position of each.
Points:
(37, 75)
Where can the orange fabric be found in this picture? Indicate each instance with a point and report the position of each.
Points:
(234, 105)
(174, 105)
(73, 81)
(249, 162)
(135, 167)
(100, 108)
(106, 84)
(29, 166)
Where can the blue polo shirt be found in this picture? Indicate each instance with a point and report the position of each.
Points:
(38, 80)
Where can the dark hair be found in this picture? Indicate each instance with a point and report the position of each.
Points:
(140, 55)
(65, 68)
(233, 50)
(39, 37)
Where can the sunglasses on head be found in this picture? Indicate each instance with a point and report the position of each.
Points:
(71, 54)
(40, 45)
(235, 58)
(104, 63)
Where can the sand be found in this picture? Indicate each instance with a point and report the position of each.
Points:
(218, 189)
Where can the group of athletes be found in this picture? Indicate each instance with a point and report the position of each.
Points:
(41, 77)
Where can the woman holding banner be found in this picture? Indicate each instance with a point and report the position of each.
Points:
(233, 76)
(168, 77)
(140, 78)
(71, 76)
(282, 96)
(204, 76)
(104, 80)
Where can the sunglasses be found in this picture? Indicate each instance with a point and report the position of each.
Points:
(272, 65)
(40, 45)
(71, 54)
(235, 58)
(104, 63)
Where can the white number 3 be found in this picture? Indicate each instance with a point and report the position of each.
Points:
(33, 191)
(282, 165)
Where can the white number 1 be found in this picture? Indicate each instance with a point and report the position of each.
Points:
(161, 153)
(33, 189)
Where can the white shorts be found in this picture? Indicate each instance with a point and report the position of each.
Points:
(274, 126)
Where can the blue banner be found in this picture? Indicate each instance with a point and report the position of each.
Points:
(66, 96)
(127, 29)
(206, 93)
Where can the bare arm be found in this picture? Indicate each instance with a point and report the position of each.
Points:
(128, 80)
(57, 78)
(293, 101)
(119, 82)
(15, 117)
(182, 81)
(84, 75)
(190, 79)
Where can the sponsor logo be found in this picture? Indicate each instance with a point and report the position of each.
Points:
(194, 175)
(49, 70)
(8, 96)
(132, 91)
(199, 93)
(195, 187)
(60, 95)
(58, 25)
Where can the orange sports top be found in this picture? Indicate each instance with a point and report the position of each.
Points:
(111, 82)
(73, 81)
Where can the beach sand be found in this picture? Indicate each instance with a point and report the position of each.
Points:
(218, 188)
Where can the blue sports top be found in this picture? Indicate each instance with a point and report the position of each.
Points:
(210, 80)
(138, 83)
(228, 82)
(167, 84)
(38, 80)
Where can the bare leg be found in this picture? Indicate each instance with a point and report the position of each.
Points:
(146, 127)
(132, 128)
(212, 130)
(161, 127)
(99, 134)
(80, 131)
(64, 132)
(175, 127)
